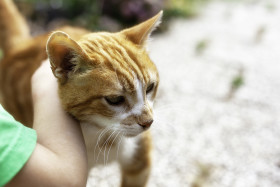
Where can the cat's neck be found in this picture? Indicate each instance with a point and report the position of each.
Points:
(104, 145)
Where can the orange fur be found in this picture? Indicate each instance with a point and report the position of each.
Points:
(106, 81)
(11, 24)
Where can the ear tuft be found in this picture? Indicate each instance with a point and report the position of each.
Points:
(141, 32)
(64, 54)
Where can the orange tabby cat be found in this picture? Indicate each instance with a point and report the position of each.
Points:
(106, 81)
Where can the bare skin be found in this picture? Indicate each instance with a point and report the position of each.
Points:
(59, 158)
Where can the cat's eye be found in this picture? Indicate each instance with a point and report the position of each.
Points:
(115, 100)
(150, 88)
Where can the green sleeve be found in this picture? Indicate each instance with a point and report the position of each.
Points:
(17, 143)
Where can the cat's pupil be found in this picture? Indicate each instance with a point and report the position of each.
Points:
(150, 88)
(115, 100)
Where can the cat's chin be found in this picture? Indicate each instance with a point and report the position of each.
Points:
(130, 133)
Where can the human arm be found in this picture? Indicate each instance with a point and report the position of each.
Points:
(59, 158)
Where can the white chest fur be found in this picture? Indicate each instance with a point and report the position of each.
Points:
(104, 147)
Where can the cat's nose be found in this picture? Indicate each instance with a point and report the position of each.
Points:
(146, 124)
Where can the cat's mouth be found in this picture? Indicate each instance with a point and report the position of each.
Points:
(133, 130)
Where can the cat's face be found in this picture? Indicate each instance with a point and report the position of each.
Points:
(107, 79)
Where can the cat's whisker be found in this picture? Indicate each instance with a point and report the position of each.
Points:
(104, 145)
(103, 132)
(108, 143)
(111, 146)
(122, 135)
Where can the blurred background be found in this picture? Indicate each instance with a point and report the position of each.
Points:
(217, 112)
(111, 15)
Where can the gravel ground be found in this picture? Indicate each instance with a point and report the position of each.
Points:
(217, 114)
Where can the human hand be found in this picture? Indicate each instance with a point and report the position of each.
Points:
(49, 116)
(59, 158)
(44, 84)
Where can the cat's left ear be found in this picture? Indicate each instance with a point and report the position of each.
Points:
(66, 56)
(141, 32)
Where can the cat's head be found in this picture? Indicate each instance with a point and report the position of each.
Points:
(107, 79)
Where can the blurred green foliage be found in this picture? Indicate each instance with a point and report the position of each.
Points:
(74, 11)
(89, 13)
(237, 82)
(201, 46)
(182, 8)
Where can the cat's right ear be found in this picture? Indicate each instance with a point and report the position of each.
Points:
(66, 56)
(140, 33)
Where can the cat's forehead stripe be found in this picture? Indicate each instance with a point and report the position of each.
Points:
(130, 59)
(105, 58)
(109, 51)
(97, 56)
(126, 57)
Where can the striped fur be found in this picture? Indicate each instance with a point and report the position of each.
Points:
(116, 68)
(94, 70)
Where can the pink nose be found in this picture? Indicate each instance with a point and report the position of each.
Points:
(146, 124)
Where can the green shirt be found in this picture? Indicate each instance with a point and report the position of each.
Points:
(17, 143)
